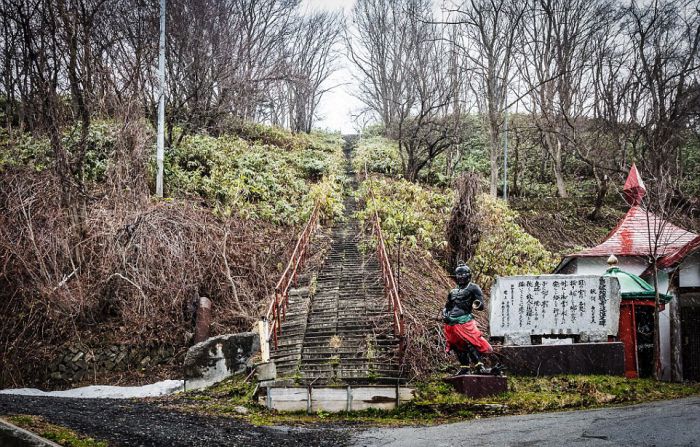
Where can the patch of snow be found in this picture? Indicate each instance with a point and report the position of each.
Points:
(107, 391)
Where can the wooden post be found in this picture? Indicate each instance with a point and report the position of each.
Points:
(201, 331)
(264, 331)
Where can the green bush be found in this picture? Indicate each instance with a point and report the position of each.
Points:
(24, 149)
(409, 212)
(284, 139)
(505, 247)
(379, 154)
(329, 194)
(259, 180)
(265, 172)
(271, 135)
(418, 214)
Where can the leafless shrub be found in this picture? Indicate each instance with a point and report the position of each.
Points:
(463, 227)
(142, 264)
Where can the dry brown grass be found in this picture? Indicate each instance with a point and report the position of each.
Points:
(130, 280)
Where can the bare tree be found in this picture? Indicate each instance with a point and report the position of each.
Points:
(379, 44)
(666, 38)
(399, 50)
(555, 54)
(599, 134)
(313, 50)
(492, 28)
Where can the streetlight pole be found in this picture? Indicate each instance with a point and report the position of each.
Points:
(505, 159)
(160, 150)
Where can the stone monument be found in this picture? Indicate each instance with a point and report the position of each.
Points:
(557, 324)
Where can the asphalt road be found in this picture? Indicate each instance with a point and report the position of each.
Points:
(127, 423)
(665, 423)
(138, 423)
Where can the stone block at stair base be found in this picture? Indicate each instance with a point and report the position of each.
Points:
(266, 371)
(477, 386)
(577, 358)
(333, 399)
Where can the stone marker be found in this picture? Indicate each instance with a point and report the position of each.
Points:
(563, 312)
(201, 332)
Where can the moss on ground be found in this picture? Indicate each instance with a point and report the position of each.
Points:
(60, 435)
(436, 402)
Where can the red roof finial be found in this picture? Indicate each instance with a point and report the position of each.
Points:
(634, 189)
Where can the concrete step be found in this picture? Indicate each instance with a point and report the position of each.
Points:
(345, 374)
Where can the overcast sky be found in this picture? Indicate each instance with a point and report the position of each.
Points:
(338, 104)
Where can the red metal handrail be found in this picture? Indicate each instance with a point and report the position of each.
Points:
(276, 313)
(391, 290)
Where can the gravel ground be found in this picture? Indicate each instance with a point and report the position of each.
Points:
(127, 423)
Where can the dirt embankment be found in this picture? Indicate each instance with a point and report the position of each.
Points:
(563, 225)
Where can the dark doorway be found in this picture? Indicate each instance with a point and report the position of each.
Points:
(690, 331)
(644, 318)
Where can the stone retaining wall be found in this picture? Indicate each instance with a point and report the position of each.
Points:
(75, 363)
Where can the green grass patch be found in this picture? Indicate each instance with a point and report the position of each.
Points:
(60, 435)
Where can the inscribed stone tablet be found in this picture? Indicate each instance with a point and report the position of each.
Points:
(521, 306)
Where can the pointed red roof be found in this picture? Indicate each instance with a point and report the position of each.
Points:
(634, 189)
(632, 234)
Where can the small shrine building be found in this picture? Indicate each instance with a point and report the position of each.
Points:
(636, 327)
(635, 239)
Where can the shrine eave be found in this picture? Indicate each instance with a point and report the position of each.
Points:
(673, 259)
(632, 287)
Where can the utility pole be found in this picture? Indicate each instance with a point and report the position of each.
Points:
(505, 158)
(160, 150)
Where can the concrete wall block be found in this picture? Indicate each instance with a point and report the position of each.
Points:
(219, 357)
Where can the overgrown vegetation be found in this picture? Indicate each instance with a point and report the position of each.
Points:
(267, 177)
(414, 218)
(377, 154)
(133, 273)
(415, 215)
(505, 248)
(21, 149)
(60, 435)
(411, 214)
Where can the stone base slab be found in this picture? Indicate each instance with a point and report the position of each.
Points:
(477, 386)
(577, 358)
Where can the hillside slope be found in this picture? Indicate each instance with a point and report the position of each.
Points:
(117, 302)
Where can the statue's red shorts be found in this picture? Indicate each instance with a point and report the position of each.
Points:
(459, 335)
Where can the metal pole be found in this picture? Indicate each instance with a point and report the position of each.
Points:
(505, 159)
(160, 150)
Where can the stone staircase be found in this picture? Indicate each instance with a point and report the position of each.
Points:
(338, 329)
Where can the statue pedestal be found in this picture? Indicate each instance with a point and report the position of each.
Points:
(477, 386)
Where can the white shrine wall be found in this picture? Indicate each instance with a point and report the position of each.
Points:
(689, 271)
(599, 265)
